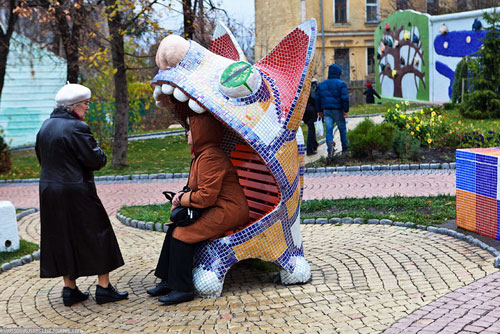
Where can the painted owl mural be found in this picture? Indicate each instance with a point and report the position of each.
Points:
(261, 106)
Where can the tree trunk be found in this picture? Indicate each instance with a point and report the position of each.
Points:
(120, 79)
(70, 38)
(5, 41)
(188, 19)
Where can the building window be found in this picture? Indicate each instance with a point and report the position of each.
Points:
(340, 11)
(371, 10)
(402, 4)
(370, 61)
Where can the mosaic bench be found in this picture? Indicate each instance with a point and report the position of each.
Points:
(261, 107)
(478, 190)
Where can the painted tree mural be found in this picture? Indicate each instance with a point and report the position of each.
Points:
(399, 54)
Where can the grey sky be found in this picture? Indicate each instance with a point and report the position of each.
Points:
(242, 11)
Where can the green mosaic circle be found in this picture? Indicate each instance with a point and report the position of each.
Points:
(236, 75)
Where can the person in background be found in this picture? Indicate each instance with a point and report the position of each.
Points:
(310, 116)
(77, 238)
(370, 92)
(332, 104)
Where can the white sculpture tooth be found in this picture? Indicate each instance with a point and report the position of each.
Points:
(157, 93)
(196, 107)
(167, 89)
(160, 104)
(180, 96)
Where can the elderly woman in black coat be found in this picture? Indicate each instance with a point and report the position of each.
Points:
(77, 238)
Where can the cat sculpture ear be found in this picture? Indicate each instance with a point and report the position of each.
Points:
(224, 44)
(288, 67)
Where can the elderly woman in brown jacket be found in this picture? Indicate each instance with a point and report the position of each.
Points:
(215, 188)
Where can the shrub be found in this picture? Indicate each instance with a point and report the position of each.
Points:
(368, 136)
(5, 162)
(481, 104)
(406, 146)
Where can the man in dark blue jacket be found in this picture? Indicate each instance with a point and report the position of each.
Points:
(332, 103)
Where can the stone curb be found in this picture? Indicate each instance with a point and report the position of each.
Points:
(26, 258)
(308, 171)
(346, 220)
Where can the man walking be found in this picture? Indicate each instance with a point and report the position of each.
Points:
(332, 103)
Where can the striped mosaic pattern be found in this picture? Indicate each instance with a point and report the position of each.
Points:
(478, 190)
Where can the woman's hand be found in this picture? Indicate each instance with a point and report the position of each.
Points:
(176, 201)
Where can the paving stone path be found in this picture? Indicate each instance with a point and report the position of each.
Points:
(365, 278)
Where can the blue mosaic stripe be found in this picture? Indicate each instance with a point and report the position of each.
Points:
(487, 159)
(459, 154)
(486, 180)
(466, 175)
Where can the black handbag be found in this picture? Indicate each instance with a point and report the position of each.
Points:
(183, 215)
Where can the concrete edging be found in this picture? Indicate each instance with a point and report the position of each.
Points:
(26, 258)
(346, 220)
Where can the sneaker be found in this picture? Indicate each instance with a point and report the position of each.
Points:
(71, 296)
(109, 294)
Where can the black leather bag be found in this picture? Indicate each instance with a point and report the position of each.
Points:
(182, 215)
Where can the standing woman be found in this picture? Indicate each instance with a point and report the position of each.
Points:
(76, 235)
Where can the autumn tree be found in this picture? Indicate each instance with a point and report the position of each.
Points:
(67, 20)
(131, 19)
(9, 7)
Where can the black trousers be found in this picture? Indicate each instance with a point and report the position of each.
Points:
(175, 264)
(312, 144)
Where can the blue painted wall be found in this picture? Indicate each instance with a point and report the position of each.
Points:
(33, 77)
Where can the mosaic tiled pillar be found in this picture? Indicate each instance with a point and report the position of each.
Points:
(478, 190)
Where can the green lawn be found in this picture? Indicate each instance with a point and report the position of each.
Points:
(423, 210)
(25, 248)
(368, 109)
(419, 210)
(162, 155)
(461, 124)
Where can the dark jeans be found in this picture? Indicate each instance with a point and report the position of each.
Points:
(333, 116)
(175, 264)
(312, 144)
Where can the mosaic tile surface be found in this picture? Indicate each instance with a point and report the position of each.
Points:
(261, 106)
(478, 190)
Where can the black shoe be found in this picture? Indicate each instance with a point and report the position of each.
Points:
(160, 289)
(176, 297)
(109, 294)
(311, 153)
(71, 296)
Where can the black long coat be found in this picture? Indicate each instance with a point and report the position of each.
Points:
(77, 238)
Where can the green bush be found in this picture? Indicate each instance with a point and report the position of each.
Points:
(368, 137)
(406, 146)
(5, 162)
(481, 104)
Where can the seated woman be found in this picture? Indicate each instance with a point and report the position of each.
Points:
(215, 188)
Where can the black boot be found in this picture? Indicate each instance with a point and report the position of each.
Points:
(109, 294)
(71, 296)
(176, 297)
(160, 289)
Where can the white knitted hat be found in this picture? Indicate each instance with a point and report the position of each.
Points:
(71, 94)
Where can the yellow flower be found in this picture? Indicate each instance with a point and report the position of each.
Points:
(417, 128)
(439, 117)
(433, 114)
(429, 140)
(397, 105)
(422, 112)
(412, 133)
(421, 122)
(395, 117)
(428, 134)
(407, 103)
(402, 115)
(409, 118)
(407, 125)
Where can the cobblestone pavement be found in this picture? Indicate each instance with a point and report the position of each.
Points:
(365, 278)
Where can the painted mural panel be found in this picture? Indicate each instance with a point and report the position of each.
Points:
(402, 60)
(33, 77)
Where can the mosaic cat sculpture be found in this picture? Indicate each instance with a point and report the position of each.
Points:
(261, 107)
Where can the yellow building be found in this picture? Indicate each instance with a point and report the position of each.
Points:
(345, 30)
